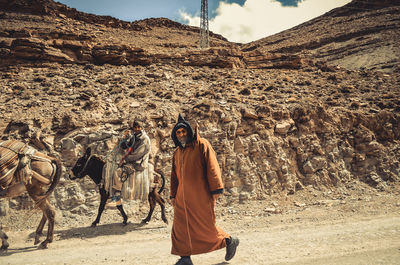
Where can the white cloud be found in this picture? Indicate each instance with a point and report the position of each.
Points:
(257, 19)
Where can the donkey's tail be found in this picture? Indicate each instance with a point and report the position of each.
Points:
(42, 198)
(56, 178)
(162, 181)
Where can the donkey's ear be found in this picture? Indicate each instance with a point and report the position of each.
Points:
(88, 151)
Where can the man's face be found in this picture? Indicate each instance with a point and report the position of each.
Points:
(181, 134)
(137, 129)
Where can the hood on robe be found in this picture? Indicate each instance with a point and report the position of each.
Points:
(182, 123)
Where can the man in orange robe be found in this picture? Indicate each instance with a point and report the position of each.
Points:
(195, 185)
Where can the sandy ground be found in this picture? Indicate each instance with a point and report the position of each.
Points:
(358, 229)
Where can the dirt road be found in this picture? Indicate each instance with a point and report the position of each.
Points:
(351, 231)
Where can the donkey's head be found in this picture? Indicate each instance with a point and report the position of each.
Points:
(4, 242)
(79, 170)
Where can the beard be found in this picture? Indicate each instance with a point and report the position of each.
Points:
(182, 140)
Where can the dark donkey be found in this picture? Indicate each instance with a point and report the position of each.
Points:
(92, 166)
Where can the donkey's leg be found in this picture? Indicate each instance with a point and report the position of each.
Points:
(161, 202)
(152, 203)
(4, 242)
(39, 229)
(43, 203)
(121, 210)
(103, 200)
(50, 213)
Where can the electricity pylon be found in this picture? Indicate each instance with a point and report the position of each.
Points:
(204, 32)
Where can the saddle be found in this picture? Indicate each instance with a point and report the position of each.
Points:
(15, 159)
(10, 152)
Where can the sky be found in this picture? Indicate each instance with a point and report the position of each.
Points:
(240, 21)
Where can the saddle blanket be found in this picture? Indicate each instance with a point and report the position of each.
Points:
(133, 184)
(9, 160)
(15, 158)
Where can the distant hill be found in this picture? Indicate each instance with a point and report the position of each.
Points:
(52, 8)
(361, 34)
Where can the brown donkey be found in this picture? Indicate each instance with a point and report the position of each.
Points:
(22, 168)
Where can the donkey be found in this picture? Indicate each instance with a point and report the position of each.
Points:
(22, 168)
(92, 166)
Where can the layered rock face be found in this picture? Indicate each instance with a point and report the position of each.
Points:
(76, 46)
(279, 120)
(273, 131)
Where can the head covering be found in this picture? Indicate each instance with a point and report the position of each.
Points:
(182, 123)
(134, 124)
(137, 123)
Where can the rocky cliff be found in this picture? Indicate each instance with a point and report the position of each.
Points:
(280, 115)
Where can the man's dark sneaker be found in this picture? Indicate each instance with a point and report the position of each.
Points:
(184, 261)
(231, 248)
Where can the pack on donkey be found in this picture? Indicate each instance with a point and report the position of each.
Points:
(23, 168)
(126, 173)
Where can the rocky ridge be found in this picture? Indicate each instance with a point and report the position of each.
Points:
(362, 34)
(279, 121)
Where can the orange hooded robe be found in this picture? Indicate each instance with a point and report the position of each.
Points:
(195, 176)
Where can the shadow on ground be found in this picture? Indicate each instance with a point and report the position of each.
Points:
(100, 230)
(11, 251)
(85, 232)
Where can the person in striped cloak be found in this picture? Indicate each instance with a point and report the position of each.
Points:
(134, 174)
